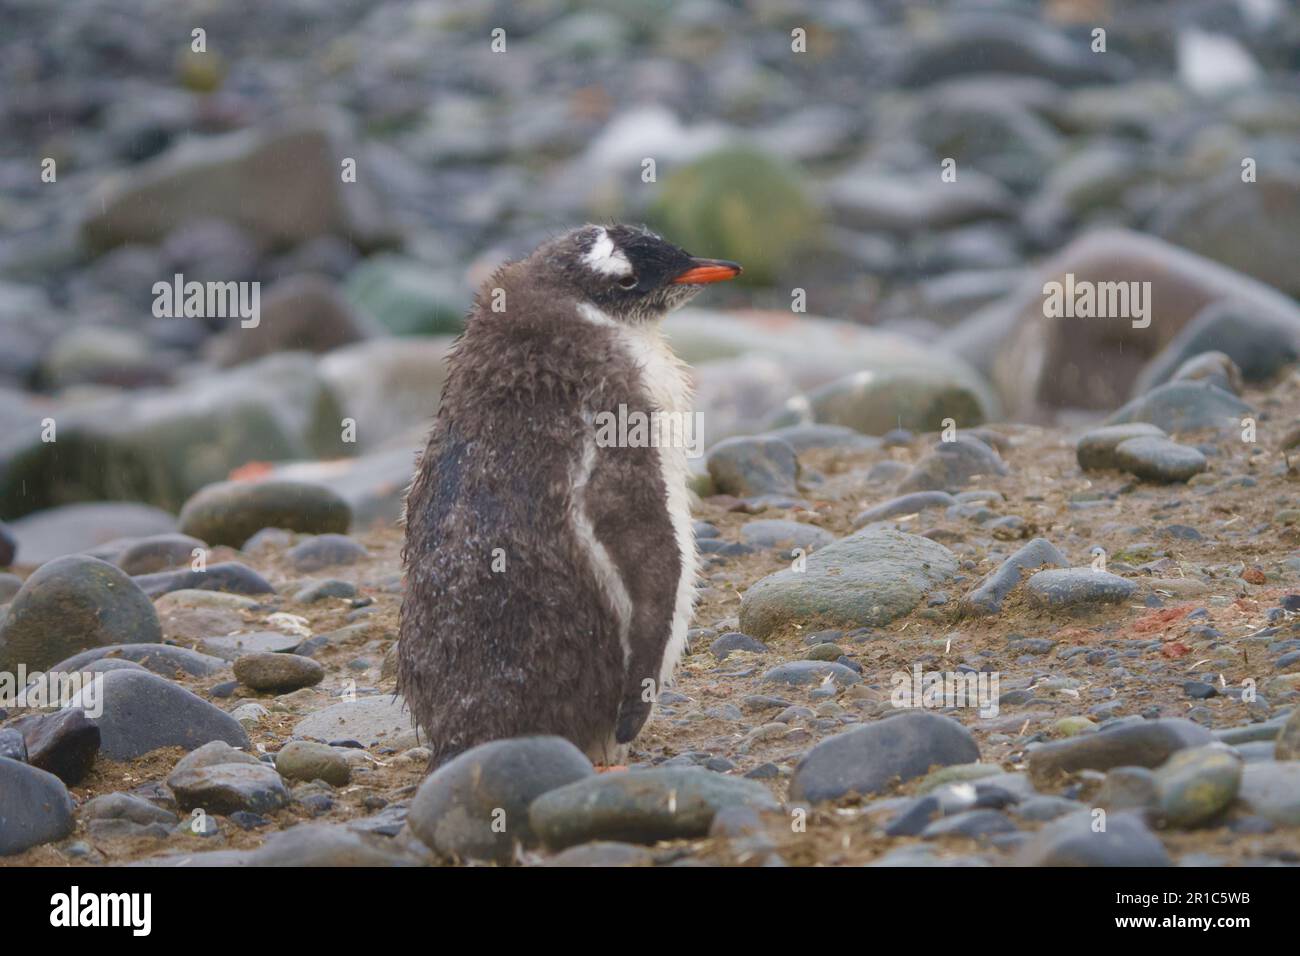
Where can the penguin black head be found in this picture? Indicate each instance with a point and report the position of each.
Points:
(628, 272)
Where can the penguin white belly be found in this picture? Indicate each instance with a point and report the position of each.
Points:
(664, 377)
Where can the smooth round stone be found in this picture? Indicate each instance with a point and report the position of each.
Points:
(1073, 587)
(35, 807)
(277, 673)
(71, 604)
(232, 512)
(249, 714)
(1095, 450)
(163, 552)
(824, 652)
(1184, 407)
(868, 759)
(1141, 743)
(949, 465)
(142, 712)
(308, 760)
(724, 644)
(641, 806)
(476, 805)
(805, 673)
(212, 754)
(1159, 459)
(868, 578)
(162, 659)
(745, 466)
(1198, 784)
(229, 788)
(326, 550)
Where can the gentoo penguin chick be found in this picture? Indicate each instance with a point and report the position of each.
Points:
(550, 571)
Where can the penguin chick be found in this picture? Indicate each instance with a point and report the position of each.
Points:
(550, 571)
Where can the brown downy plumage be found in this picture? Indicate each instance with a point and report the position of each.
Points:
(550, 575)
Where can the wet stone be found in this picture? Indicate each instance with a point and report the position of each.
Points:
(326, 550)
(866, 759)
(1074, 587)
(71, 604)
(142, 712)
(641, 806)
(477, 805)
(277, 673)
(308, 760)
(1159, 459)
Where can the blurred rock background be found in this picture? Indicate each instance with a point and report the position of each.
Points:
(820, 170)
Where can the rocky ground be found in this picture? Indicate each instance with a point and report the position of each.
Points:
(913, 460)
(1156, 690)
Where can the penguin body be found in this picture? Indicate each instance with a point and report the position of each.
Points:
(550, 575)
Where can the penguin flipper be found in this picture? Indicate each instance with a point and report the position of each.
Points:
(629, 517)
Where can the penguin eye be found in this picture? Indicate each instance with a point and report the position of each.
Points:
(627, 282)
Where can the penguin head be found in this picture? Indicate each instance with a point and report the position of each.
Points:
(631, 274)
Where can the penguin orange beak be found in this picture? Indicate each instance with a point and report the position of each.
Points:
(704, 271)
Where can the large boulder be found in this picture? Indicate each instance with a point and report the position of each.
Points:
(35, 807)
(140, 712)
(1250, 227)
(159, 446)
(476, 806)
(1038, 363)
(69, 605)
(869, 578)
(280, 182)
(1255, 342)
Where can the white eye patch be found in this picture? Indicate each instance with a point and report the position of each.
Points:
(604, 258)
